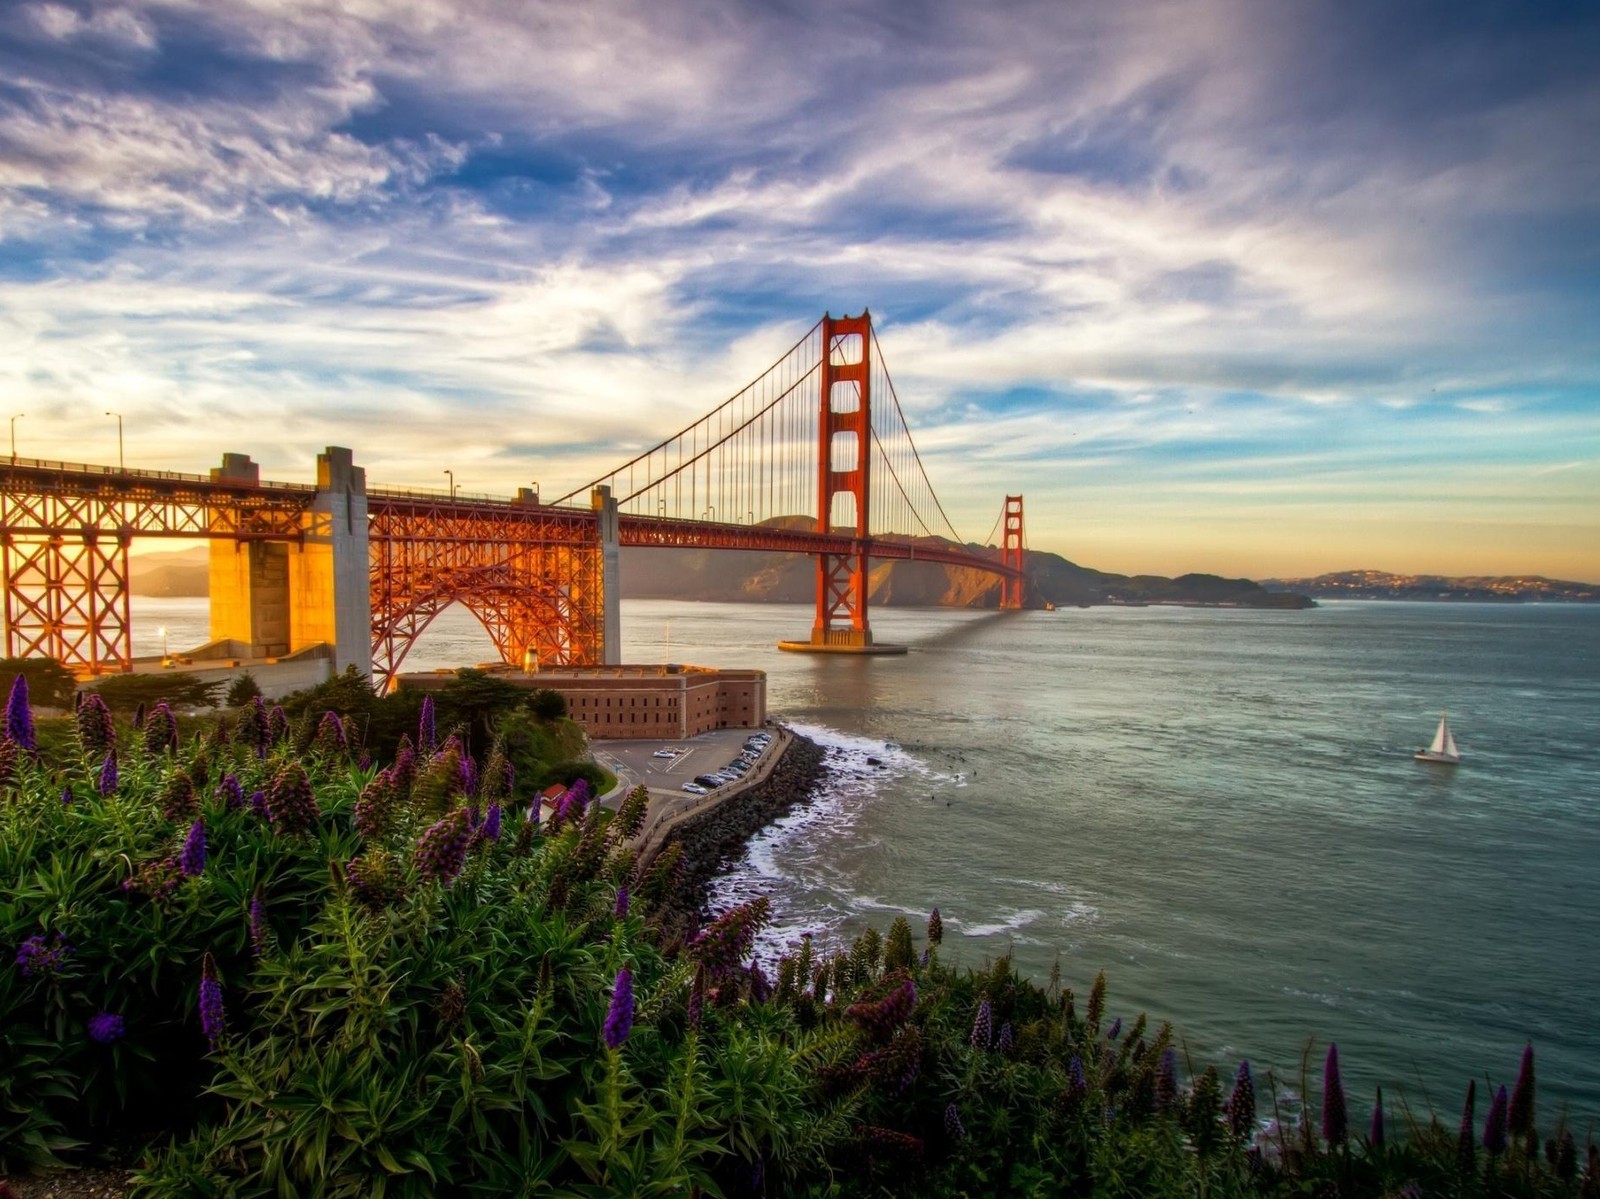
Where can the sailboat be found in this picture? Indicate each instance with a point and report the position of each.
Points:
(1443, 748)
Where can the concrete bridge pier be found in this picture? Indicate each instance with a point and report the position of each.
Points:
(605, 507)
(278, 597)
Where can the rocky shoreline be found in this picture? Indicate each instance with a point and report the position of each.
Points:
(713, 840)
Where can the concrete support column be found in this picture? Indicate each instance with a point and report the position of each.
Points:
(605, 507)
(249, 580)
(329, 577)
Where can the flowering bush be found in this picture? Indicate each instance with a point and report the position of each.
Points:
(296, 1014)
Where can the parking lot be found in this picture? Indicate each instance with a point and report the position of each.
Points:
(704, 754)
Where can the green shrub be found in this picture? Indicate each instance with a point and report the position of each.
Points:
(547, 704)
(569, 772)
(413, 1003)
(242, 690)
(126, 692)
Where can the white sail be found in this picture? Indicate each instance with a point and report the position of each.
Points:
(1443, 748)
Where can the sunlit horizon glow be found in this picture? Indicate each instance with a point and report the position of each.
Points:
(1225, 286)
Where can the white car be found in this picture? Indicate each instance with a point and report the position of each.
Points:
(694, 789)
(665, 753)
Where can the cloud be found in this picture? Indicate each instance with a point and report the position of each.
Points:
(1153, 243)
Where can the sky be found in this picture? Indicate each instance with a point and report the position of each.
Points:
(1241, 286)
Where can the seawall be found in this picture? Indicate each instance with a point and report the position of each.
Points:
(711, 838)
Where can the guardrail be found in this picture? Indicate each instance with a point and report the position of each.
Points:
(161, 476)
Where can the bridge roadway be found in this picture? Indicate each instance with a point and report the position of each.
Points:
(68, 499)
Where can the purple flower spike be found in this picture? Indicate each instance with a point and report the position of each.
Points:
(290, 802)
(621, 912)
(760, 988)
(1375, 1136)
(108, 774)
(1466, 1143)
(427, 734)
(1003, 1042)
(619, 1020)
(1115, 1030)
(160, 729)
(258, 925)
(1167, 1080)
(442, 849)
(330, 736)
(1077, 1083)
(1520, 1114)
(258, 804)
(66, 797)
(490, 830)
(211, 1015)
(982, 1025)
(192, 861)
(96, 733)
(106, 1028)
(1335, 1115)
(952, 1124)
(19, 715)
(1494, 1124)
(1242, 1104)
(231, 794)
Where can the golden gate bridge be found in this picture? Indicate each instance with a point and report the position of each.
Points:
(814, 457)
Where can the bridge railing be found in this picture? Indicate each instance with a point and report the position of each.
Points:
(162, 476)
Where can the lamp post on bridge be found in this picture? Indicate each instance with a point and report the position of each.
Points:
(166, 653)
(14, 421)
(452, 475)
(711, 512)
(121, 462)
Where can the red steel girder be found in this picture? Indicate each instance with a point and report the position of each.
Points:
(532, 576)
(66, 530)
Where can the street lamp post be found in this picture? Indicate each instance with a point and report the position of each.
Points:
(14, 421)
(711, 512)
(121, 461)
(452, 475)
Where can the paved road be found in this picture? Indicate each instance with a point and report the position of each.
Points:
(704, 754)
(634, 762)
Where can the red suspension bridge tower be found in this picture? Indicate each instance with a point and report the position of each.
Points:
(844, 466)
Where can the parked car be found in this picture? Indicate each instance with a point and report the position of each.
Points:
(709, 780)
(693, 788)
(665, 753)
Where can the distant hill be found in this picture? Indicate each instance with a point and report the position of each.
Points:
(1378, 584)
(741, 576)
(171, 573)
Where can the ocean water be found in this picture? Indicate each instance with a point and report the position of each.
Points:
(1219, 808)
